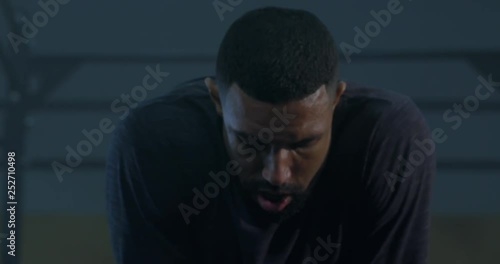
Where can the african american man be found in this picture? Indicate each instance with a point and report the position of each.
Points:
(273, 160)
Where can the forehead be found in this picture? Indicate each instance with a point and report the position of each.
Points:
(308, 115)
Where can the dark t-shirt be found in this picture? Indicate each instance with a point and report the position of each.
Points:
(171, 196)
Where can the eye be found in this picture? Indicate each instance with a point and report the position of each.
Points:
(304, 144)
(301, 145)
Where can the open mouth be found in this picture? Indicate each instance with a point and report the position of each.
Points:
(273, 202)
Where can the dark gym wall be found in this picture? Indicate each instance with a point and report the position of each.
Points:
(89, 53)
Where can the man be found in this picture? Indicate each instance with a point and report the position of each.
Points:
(252, 165)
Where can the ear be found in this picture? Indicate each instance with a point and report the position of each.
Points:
(213, 91)
(341, 86)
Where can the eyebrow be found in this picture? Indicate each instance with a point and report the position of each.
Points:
(300, 141)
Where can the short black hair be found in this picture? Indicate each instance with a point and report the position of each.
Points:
(277, 55)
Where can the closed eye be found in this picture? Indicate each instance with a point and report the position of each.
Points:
(308, 142)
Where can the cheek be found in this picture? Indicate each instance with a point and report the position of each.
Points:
(321, 149)
(309, 164)
(304, 172)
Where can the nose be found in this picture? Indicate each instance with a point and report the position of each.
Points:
(277, 167)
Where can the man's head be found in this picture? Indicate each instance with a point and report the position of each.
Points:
(276, 88)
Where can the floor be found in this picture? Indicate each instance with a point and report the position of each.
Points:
(84, 239)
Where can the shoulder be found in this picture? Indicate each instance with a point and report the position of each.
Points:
(382, 128)
(166, 145)
(375, 124)
(181, 124)
(374, 101)
(381, 110)
(180, 117)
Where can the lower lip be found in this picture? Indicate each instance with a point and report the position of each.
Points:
(272, 206)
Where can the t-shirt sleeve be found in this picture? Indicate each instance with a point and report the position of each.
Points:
(399, 171)
(145, 224)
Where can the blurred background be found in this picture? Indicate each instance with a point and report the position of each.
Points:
(65, 63)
